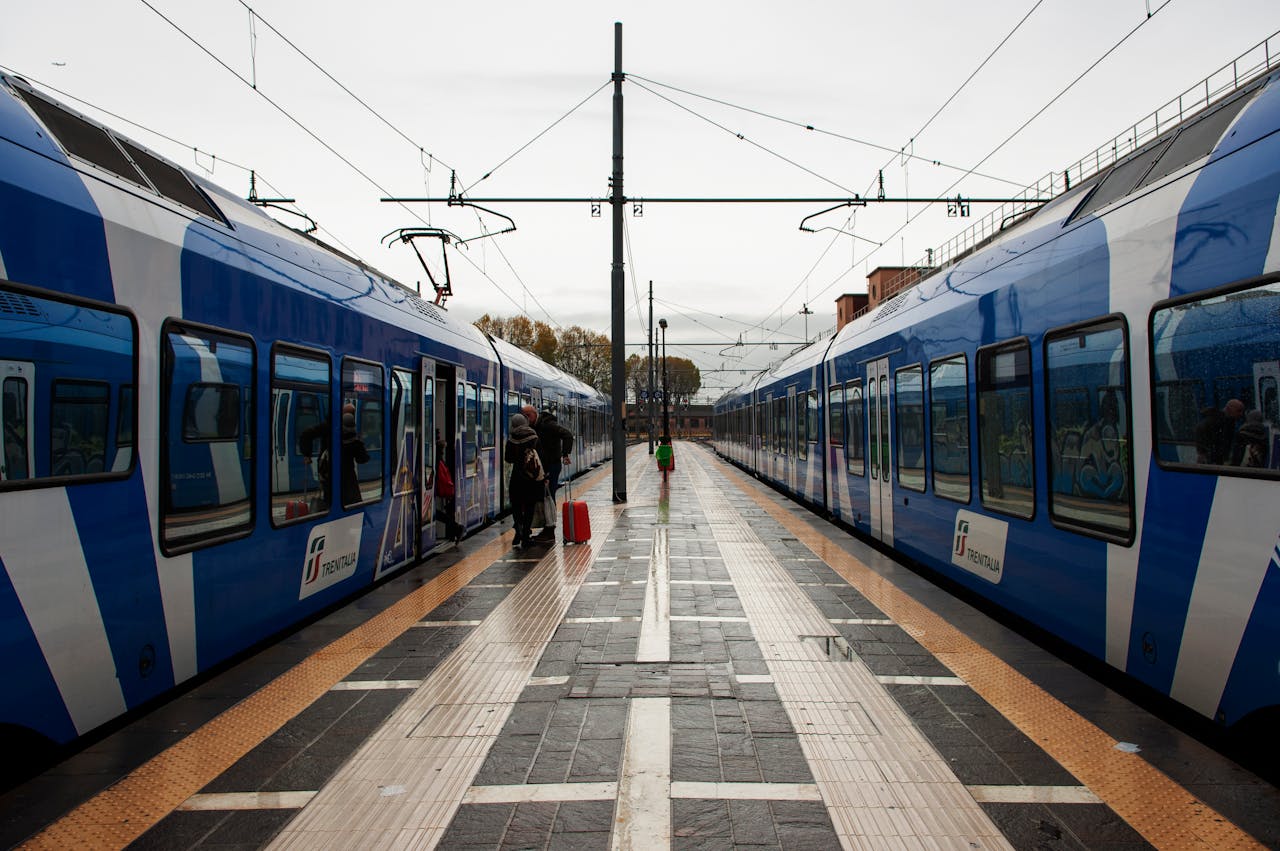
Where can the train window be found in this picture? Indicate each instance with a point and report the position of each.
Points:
(1121, 180)
(1197, 139)
(124, 417)
(949, 422)
(802, 426)
(169, 181)
(1006, 447)
(301, 460)
(211, 412)
(15, 461)
(1090, 451)
(835, 414)
(908, 400)
(488, 414)
(815, 423)
(78, 432)
(61, 364)
(360, 481)
(84, 140)
(780, 425)
(404, 431)
(205, 454)
(855, 426)
(468, 403)
(873, 419)
(882, 402)
(1226, 346)
(763, 424)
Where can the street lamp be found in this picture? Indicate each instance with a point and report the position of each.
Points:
(666, 399)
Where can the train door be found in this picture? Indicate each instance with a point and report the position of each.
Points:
(446, 422)
(792, 461)
(878, 444)
(427, 457)
(400, 535)
(16, 433)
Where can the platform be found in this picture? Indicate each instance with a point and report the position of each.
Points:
(717, 668)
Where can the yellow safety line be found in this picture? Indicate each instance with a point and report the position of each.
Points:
(132, 805)
(1164, 812)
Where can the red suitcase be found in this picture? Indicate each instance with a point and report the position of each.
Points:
(574, 519)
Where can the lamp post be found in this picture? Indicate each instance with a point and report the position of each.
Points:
(666, 399)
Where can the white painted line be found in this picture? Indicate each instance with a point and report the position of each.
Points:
(375, 685)
(754, 678)
(611, 619)
(1033, 795)
(701, 582)
(921, 681)
(746, 791)
(541, 792)
(493, 585)
(548, 681)
(865, 621)
(604, 582)
(602, 558)
(655, 627)
(642, 818)
(433, 624)
(247, 801)
(708, 618)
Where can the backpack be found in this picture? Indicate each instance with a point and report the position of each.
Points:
(533, 465)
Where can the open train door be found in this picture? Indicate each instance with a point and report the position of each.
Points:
(427, 470)
(879, 452)
(400, 534)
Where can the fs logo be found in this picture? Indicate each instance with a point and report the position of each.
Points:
(962, 535)
(315, 556)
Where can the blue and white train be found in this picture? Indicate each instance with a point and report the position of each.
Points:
(1078, 420)
(175, 367)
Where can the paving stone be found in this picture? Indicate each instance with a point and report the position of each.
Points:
(694, 817)
(584, 817)
(751, 822)
(478, 824)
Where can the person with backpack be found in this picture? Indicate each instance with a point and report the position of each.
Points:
(528, 480)
(555, 443)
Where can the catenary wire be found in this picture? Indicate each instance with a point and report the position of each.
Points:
(819, 130)
(543, 132)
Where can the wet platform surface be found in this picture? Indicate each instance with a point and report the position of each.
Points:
(718, 668)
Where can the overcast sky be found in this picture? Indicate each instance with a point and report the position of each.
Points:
(471, 83)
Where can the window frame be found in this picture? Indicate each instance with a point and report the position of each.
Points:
(963, 357)
(337, 460)
(186, 545)
(1200, 295)
(857, 385)
(107, 475)
(1021, 342)
(292, 449)
(897, 430)
(1097, 324)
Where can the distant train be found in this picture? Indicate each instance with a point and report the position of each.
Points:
(175, 368)
(1078, 420)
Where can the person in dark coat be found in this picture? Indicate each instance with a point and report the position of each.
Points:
(527, 477)
(1215, 433)
(555, 443)
(353, 453)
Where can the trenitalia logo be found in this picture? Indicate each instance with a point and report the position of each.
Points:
(962, 534)
(979, 545)
(315, 557)
(332, 555)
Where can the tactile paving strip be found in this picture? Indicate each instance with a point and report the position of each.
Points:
(1166, 814)
(881, 779)
(406, 782)
(120, 814)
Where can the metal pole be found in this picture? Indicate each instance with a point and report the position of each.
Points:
(649, 402)
(619, 330)
(666, 398)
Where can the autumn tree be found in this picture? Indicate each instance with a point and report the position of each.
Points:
(581, 352)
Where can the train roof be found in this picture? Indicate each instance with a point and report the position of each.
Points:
(50, 128)
(513, 356)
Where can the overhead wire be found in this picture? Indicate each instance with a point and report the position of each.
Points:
(279, 108)
(196, 152)
(542, 133)
(1026, 123)
(819, 130)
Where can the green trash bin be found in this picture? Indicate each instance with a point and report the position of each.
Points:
(666, 457)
